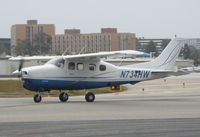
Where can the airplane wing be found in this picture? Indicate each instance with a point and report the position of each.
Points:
(32, 58)
(99, 55)
(89, 56)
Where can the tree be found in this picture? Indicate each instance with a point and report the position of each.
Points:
(41, 45)
(4, 49)
(1, 49)
(186, 52)
(166, 42)
(151, 47)
(192, 53)
(21, 47)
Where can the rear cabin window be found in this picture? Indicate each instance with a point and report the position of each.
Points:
(80, 66)
(71, 66)
(92, 67)
(102, 67)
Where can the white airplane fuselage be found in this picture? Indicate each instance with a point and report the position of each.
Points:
(86, 76)
(86, 71)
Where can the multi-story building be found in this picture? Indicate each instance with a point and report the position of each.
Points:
(28, 31)
(160, 44)
(5, 45)
(195, 42)
(108, 40)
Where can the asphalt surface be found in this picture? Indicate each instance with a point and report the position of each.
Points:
(164, 108)
(113, 128)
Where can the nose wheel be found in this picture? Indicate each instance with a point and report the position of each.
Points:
(63, 97)
(37, 98)
(90, 97)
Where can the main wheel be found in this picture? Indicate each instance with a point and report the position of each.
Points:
(63, 97)
(37, 98)
(89, 97)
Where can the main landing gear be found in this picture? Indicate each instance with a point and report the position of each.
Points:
(63, 97)
(89, 97)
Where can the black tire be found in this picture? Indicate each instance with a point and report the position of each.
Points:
(37, 98)
(63, 97)
(90, 97)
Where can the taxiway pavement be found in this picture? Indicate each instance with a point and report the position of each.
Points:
(164, 108)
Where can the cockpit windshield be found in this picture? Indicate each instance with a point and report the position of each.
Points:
(59, 62)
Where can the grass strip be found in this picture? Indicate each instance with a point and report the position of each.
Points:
(15, 87)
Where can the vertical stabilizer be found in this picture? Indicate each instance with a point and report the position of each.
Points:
(166, 60)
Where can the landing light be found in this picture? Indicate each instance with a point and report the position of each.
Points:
(115, 87)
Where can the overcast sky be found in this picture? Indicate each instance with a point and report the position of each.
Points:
(146, 18)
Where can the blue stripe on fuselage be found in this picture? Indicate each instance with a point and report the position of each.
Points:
(46, 85)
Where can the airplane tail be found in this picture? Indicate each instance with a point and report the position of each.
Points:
(166, 60)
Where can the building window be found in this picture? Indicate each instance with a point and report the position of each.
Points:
(80, 66)
(67, 43)
(71, 44)
(100, 48)
(119, 43)
(79, 44)
(40, 29)
(71, 66)
(104, 42)
(92, 67)
(102, 67)
(92, 45)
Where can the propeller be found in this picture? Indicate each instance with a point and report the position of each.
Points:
(18, 72)
(21, 63)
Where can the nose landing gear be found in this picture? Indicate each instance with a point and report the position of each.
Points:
(37, 98)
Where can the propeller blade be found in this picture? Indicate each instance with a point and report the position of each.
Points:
(21, 65)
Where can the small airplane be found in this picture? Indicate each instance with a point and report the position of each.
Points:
(191, 69)
(87, 71)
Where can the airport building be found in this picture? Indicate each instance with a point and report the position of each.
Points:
(195, 42)
(108, 40)
(28, 31)
(160, 44)
(5, 46)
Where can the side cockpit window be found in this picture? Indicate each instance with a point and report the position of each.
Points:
(59, 62)
(102, 67)
(71, 66)
(92, 67)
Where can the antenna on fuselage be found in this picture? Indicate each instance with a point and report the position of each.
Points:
(81, 50)
(65, 51)
(121, 61)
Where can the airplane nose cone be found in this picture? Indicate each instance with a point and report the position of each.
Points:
(16, 73)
